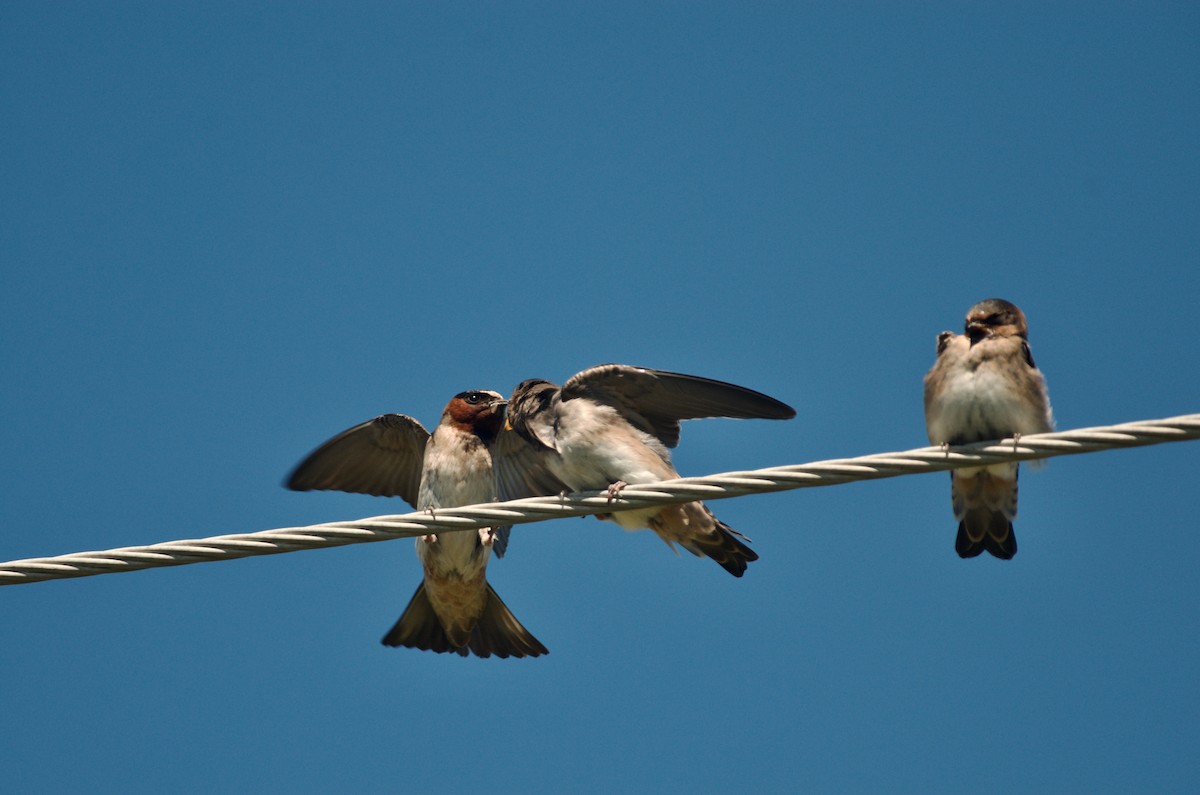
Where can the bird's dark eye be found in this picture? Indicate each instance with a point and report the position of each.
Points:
(473, 397)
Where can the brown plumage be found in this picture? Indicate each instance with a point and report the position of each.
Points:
(611, 426)
(984, 385)
(454, 609)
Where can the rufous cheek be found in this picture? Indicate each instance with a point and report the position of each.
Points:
(461, 412)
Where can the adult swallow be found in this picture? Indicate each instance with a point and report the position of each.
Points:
(610, 426)
(984, 385)
(454, 608)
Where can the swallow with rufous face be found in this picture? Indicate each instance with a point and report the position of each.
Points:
(611, 426)
(454, 609)
(984, 385)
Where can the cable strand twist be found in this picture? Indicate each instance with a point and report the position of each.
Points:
(535, 509)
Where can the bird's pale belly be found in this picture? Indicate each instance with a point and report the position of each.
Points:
(977, 406)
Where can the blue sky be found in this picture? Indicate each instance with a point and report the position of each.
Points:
(232, 230)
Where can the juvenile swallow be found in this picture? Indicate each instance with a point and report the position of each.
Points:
(984, 385)
(610, 426)
(454, 608)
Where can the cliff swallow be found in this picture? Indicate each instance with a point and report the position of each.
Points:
(454, 608)
(612, 425)
(984, 385)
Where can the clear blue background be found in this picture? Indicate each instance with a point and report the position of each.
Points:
(231, 230)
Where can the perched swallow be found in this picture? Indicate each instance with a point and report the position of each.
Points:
(610, 426)
(454, 608)
(984, 385)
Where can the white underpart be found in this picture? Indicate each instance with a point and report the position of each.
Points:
(451, 479)
(597, 448)
(982, 402)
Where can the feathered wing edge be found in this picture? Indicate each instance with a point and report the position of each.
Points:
(383, 457)
(656, 400)
(496, 632)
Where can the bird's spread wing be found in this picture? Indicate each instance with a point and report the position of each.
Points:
(381, 457)
(654, 401)
(521, 470)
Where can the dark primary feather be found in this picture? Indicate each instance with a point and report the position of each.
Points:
(1028, 354)
(519, 469)
(520, 472)
(420, 628)
(654, 401)
(724, 545)
(382, 457)
(497, 632)
(985, 506)
(982, 531)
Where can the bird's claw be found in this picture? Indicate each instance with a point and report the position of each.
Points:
(615, 489)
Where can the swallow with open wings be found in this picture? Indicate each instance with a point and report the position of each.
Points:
(611, 426)
(454, 609)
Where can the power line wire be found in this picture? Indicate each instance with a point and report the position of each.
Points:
(536, 509)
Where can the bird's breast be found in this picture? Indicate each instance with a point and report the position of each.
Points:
(599, 447)
(457, 471)
(985, 400)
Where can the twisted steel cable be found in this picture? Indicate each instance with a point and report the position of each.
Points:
(536, 509)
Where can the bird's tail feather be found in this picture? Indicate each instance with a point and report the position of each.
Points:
(985, 504)
(496, 632)
(694, 527)
(983, 530)
(499, 632)
(420, 628)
